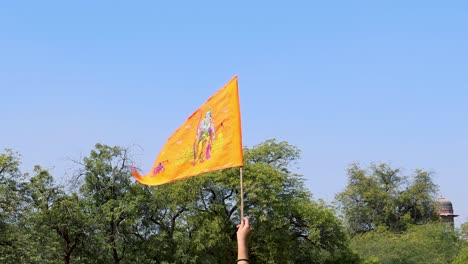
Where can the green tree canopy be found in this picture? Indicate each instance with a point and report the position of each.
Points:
(193, 221)
(110, 218)
(433, 243)
(382, 197)
(12, 205)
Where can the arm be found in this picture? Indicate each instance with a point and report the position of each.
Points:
(243, 231)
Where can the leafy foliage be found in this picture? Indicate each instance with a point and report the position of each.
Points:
(430, 243)
(112, 219)
(109, 218)
(462, 256)
(193, 221)
(12, 203)
(382, 197)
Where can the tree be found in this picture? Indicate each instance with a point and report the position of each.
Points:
(433, 243)
(10, 188)
(289, 225)
(54, 221)
(193, 221)
(464, 231)
(12, 204)
(113, 219)
(42, 194)
(107, 196)
(381, 196)
(462, 256)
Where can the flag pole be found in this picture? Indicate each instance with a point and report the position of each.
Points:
(241, 194)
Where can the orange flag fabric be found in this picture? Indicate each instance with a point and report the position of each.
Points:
(209, 140)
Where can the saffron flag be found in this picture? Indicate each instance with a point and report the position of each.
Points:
(209, 140)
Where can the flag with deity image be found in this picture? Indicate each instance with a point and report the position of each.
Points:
(209, 140)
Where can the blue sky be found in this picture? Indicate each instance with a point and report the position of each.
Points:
(367, 81)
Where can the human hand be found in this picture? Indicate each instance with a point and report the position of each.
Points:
(243, 230)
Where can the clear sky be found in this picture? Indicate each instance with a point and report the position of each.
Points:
(345, 81)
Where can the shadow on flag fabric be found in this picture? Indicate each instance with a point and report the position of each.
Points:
(210, 139)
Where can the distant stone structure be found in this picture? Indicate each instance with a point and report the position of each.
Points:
(444, 209)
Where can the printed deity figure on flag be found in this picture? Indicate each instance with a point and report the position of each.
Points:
(209, 140)
(205, 136)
